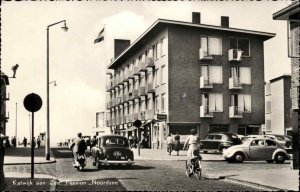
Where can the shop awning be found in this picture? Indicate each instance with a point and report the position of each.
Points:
(130, 129)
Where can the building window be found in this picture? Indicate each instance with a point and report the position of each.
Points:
(293, 38)
(157, 104)
(163, 49)
(212, 74)
(218, 128)
(156, 78)
(213, 102)
(241, 101)
(241, 74)
(163, 100)
(211, 45)
(157, 50)
(163, 74)
(268, 107)
(241, 44)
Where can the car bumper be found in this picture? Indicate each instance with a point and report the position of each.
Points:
(128, 162)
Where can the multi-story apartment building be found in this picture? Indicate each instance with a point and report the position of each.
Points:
(278, 106)
(292, 16)
(4, 97)
(182, 75)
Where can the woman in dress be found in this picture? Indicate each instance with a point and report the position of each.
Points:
(177, 143)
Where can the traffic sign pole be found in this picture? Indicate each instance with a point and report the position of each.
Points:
(32, 146)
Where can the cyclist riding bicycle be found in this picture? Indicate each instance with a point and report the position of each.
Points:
(194, 147)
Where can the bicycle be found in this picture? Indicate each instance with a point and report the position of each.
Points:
(195, 168)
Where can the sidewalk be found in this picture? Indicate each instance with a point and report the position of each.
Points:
(283, 179)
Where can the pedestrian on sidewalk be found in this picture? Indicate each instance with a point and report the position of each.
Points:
(2, 153)
(170, 141)
(130, 138)
(14, 141)
(25, 142)
(38, 141)
(177, 143)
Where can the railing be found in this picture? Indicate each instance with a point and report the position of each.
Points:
(235, 112)
(205, 111)
(149, 62)
(149, 114)
(142, 90)
(149, 88)
(235, 55)
(204, 83)
(234, 83)
(204, 55)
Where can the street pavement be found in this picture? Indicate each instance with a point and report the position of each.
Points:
(272, 178)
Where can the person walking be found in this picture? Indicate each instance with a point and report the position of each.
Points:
(170, 141)
(14, 142)
(177, 143)
(130, 138)
(38, 141)
(25, 142)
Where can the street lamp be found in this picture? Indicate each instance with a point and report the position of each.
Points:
(65, 28)
(53, 82)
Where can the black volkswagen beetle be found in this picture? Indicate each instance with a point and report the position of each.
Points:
(112, 150)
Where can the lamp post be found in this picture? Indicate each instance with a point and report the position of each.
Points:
(65, 28)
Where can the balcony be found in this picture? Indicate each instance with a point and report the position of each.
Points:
(235, 112)
(234, 83)
(204, 83)
(149, 114)
(142, 116)
(142, 91)
(5, 98)
(149, 88)
(142, 66)
(205, 112)
(135, 116)
(135, 93)
(235, 55)
(204, 55)
(150, 62)
(136, 71)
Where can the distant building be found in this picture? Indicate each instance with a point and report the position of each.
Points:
(4, 97)
(179, 76)
(278, 106)
(101, 127)
(291, 14)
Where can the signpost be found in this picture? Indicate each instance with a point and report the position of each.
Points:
(32, 103)
(137, 123)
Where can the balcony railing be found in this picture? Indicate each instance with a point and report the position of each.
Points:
(135, 93)
(142, 116)
(205, 112)
(235, 55)
(234, 83)
(149, 62)
(149, 88)
(235, 112)
(142, 91)
(149, 114)
(142, 66)
(204, 55)
(204, 83)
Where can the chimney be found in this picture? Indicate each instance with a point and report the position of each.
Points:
(196, 17)
(120, 46)
(225, 21)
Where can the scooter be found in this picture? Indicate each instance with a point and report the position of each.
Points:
(80, 162)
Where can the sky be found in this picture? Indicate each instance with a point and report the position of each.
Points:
(78, 65)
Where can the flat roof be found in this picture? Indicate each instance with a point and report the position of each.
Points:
(182, 23)
(289, 12)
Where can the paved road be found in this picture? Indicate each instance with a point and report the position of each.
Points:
(145, 175)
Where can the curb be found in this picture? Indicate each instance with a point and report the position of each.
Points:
(46, 162)
(255, 184)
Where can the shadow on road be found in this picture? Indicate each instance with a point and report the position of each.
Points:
(124, 167)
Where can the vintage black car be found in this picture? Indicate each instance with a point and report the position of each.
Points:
(112, 150)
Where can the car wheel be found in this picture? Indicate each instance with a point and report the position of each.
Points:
(238, 157)
(280, 158)
(270, 161)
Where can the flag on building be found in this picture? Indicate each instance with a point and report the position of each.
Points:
(100, 37)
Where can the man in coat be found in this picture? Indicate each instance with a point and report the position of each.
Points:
(78, 146)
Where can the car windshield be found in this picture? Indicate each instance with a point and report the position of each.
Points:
(115, 141)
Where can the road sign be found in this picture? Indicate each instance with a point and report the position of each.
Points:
(161, 117)
(32, 102)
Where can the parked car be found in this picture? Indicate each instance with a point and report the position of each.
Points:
(112, 149)
(242, 137)
(285, 140)
(217, 142)
(257, 149)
